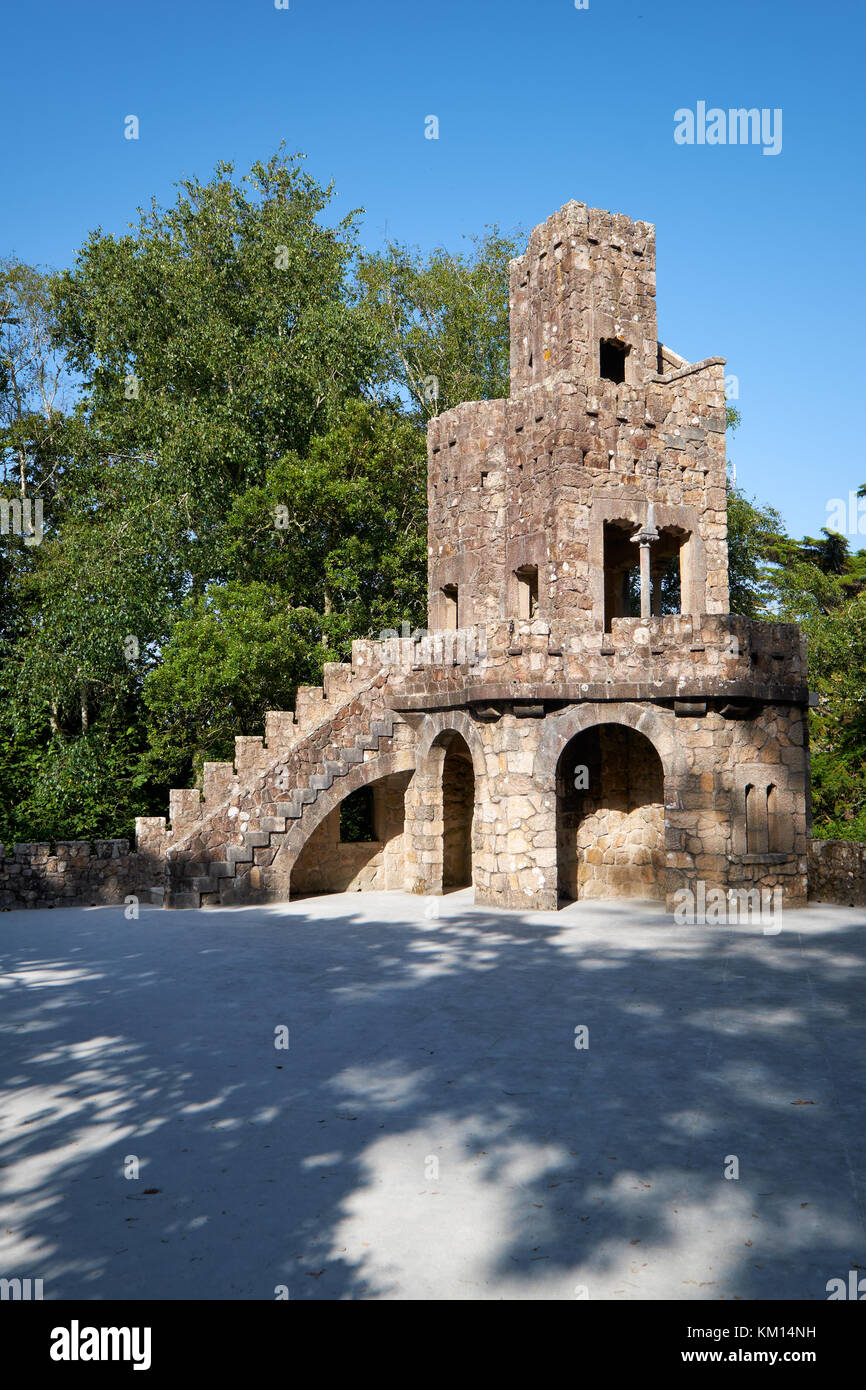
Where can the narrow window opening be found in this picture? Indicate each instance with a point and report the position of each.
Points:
(757, 839)
(611, 360)
(483, 479)
(772, 821)
(621, 574)
(668, 571)
(357, 823)
(527, 591)
(449, 607)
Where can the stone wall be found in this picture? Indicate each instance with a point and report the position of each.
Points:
(328, 865)
(75, 873)
(837, 872)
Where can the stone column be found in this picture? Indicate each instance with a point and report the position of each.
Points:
(644, 539)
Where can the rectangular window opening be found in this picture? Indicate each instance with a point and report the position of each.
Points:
(527, 591)
(611, 360)
(772, 822)
(757, 838)
(449, 607)
(357, 821)
(621, 573)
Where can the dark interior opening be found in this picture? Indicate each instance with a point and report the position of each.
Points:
(621, 573)
(357, 823)
(449, 596)
(611, 360)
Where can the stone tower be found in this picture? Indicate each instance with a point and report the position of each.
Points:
(587, 514)
(584, 718)
(605, 431)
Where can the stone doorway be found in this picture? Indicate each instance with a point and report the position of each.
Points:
(458, 809)
(610, 819)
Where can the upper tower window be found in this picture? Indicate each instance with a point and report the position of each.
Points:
(450, 607)
(611, 360)
(527, 591)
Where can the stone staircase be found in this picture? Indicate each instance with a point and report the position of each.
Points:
(226, 857)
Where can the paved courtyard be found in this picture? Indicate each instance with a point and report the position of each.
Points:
(431, 1131)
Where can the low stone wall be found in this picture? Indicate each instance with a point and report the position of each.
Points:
(75, 873)
(837, 872)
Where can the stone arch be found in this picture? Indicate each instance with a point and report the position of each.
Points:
(430, 825)
(451, 721)
(296, 837)
(655, 724)
(455, 778)
(610, 815)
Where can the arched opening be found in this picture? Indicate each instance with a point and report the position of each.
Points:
(458, 809)
(610, 816)
(358, 847)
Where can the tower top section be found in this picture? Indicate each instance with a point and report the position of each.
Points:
(582, 299)
(596, 492)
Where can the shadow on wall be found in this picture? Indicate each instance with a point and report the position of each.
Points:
(450, 1039)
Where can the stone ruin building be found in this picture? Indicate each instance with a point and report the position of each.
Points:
(584, 717)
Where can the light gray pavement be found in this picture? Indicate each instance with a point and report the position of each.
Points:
(412, 1040)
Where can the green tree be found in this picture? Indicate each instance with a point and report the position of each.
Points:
(234, 652)
(754, 534)
(443, 320)
(219, 334)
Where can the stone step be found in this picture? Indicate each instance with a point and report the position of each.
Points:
(181, 900)
(320, 782)
(203, 884)
(351, 756)
(238, 854)
(256, 839)
(336, 769)
(273, 824)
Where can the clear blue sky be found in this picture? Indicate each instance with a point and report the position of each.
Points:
(760, 257)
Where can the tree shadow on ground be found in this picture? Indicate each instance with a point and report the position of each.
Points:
(432, 1131)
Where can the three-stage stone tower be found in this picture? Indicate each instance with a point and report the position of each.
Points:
(585, 718)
